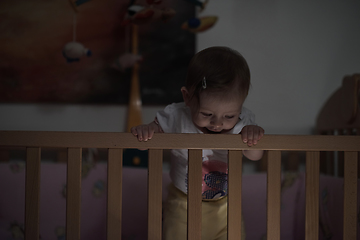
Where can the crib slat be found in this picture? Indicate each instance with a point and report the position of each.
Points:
(312, 195)
(273, 195)
(350, 195)
(32, 193)
(234, 195)
(73, 194)
(114, 199)
(155, 194)
(194, 194)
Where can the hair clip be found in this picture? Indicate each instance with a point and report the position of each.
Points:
(204, 83)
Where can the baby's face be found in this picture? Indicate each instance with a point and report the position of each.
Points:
(217, 113)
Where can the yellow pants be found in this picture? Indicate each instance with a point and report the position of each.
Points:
(214, 218)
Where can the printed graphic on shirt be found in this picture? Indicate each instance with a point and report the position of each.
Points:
(214, 179)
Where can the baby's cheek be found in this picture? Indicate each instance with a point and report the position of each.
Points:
(200, 122)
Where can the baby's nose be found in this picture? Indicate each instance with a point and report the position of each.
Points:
(216, 122)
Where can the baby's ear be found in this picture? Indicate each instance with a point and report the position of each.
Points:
(186, 95)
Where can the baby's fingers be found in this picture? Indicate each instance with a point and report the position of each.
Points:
(138, 132)
(261, 133)
(257, 134)
(248, 135)
(244, 136)
(255, 137)
(145, 133)
(134, 131)
(251, 134)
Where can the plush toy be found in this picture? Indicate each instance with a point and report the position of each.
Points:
(137, 14)
(73, 51)
(126, 60)
(201, 24)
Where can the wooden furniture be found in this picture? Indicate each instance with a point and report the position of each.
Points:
(134, 117)
(34, 142)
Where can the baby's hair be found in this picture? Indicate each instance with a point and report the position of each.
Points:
(222, 69)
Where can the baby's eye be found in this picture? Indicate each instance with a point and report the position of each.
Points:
(206, 114)
(229, 117)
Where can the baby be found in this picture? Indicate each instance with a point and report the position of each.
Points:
(217, 84)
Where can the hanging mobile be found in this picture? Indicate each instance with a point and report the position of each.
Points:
(73, 51)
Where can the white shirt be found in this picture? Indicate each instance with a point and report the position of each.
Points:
(176, 118)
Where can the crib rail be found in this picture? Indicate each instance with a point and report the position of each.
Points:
(116, 142)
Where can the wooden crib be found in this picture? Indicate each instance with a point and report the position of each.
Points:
(34, 142)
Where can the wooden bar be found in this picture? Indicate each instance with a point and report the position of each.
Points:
(194, 195)
(177, 141)
(134, 114)
(273, 195)
(350, 195)
(32, 193)
(234, 195)
(73, 194)
(155, 194)
(114, 198)
(312, 195)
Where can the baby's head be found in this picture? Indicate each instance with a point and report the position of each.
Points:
(218, 69)
(216, 74)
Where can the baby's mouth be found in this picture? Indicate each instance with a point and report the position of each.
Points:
(213, 132)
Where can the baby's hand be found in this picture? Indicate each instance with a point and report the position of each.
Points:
(251, 134)
(145, 132)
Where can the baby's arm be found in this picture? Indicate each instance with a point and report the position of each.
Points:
(251, 134)
(146, 132)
